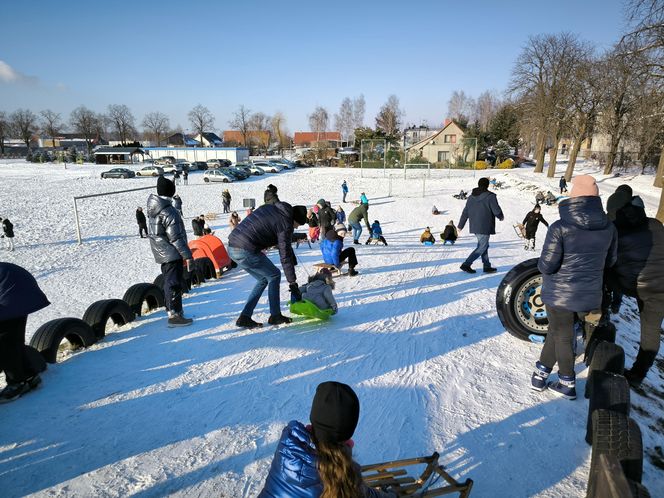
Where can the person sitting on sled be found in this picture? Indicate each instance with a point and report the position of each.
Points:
(539, 198)
(376, 233)
(450, 233)
(427, 237)
(531, 223)
(434, 210)
(550, 198)
(319, 291)
(462, 195)
(332, 247)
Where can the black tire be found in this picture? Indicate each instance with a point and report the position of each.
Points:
(196, 277)
(49, 336)
(206, 180)
(99, 312)
(207, 268)
(638, 490)
(159, 281)
(143, 295)
(618, 435)
(608, 391)
(33, 361)
(518, 302)
(606, 332)
(608, 357)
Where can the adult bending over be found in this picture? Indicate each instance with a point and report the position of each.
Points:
(576, 250)
(269, 225)
(358, 214)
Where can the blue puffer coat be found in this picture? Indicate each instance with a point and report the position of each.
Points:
(293, 473)
(331, 248)
(376, 230)
(576, 250)
(270, 225)
(19, 293)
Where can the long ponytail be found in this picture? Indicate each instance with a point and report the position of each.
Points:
(337, 471)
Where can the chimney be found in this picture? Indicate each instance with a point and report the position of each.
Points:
(447, 121)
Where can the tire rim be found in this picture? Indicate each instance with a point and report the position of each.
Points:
(529, 308)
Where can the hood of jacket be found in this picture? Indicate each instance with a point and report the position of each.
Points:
(479, 191)
(156, 204)
(630, 217)
(584, 212)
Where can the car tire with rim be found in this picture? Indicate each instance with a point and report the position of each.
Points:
(100, 312)
(49, 336)
(519, 302)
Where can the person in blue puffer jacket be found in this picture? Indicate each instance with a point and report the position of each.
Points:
(333, 250)
(376, 233)
(577, 249)
(316, 461)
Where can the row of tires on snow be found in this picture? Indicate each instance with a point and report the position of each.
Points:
(616, 465)
(138, 300)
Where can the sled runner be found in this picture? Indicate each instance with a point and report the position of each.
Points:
(310, 310)
(394, 475)
(520, 230)
(333, 269)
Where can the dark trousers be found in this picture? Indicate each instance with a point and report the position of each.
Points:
(227, 207)
(559, 342)
(142, 227)
(348, 254)
(651, 313)
(12, 341)
(172, 272)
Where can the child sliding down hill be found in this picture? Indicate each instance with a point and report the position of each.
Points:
(376, 233)
(319, 291)
(427, 237)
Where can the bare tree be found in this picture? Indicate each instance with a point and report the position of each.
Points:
(343, 121)
(260, 123)
(122, 122)
(241, 122)
(51, 124)
(279, 131)
(156, 124)
(486, 106)
(85, 122)
(389, 117)
(24, 122)
(359, 109)
(201, 120)
(318, 121)
(5, 125)
(460, 107)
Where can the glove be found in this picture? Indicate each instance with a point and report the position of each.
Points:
(296, 295)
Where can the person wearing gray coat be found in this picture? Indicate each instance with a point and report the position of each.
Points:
(319, 291)
(168, 241)
(481, 209)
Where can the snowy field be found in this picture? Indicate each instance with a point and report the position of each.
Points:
(152, 411)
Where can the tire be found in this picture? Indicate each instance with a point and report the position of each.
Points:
(49, 336)
(140, 295)
(519, 305)
(608, 357)
(601, 333)
(638, 490)
(99, 312)
(196, 277)
(618, 435)
(608, 391)
(159, 282)
(33, 361)
(206, 180)
(207, 268)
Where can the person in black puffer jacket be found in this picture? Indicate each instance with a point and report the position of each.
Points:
(531, 224)
(19, 296)
(8, 233)
(576, 250)
(639, 273)
(326, 216)
(270, 196)
(168, 241)
(270, 225)
(142, 222)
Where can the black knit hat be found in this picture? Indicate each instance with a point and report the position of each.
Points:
(483, 183)
(165, 187)
(272, 188)
(300, 215)
(334, 412)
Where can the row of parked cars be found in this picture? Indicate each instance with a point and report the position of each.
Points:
(216, 170)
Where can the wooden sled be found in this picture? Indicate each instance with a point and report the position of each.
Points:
(394, 476)
(333, 269)
(520, 230)
(211, 216)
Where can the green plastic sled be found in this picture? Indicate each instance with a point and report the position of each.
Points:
(310, 310)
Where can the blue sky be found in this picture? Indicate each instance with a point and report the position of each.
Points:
(287, 56)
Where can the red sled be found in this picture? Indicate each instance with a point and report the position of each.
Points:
(210, 246)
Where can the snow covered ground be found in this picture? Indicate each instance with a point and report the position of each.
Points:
(152, 411)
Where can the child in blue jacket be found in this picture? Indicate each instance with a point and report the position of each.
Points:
(376, 233)
(334, 253)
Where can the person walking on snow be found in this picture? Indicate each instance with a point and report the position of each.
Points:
(358, 214)
(563, 185)
(177, 204)
(270, 225)
(531, 223)
(168, 241)
(226, 200)
(142, 222)
(576, 250)
(8, 233)
(185, 176)
(481, 209)
(344, 190)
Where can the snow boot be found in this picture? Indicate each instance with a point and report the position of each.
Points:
(539, 377)
(352, 272)
(565, 386)
(356, 241)
(13, 392)
(467, 268)
(247, 323)
(490, 269)
(278, 319)
(177, 320)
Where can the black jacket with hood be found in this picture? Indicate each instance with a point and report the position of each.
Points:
(482, 209)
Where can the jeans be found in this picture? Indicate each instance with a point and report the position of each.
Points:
(482, 250)
(172, 272)
(357, 230)
(12, 340)
(559, 342)
(345, 193)
(266, 274)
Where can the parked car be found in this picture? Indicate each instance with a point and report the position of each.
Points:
(238, 173)
(287, 163)
(269, 167)
(165, 160)
(150, 171)
(184, 165)
(199, 165)
(218, 163)
(171, 168)
(249, 169)
(118, 173)
(217, 175)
